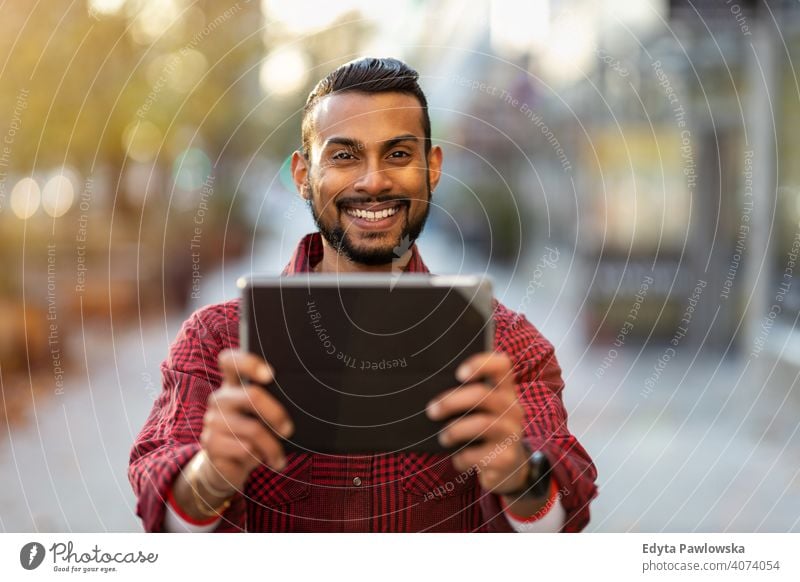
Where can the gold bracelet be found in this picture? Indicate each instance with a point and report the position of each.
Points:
(201, 504)
(200, 459)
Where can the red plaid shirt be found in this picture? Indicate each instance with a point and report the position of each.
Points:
(405, 492)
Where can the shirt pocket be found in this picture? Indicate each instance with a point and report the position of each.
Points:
(429, 476)
(274, 489)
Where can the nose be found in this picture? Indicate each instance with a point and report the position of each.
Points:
(373, 182)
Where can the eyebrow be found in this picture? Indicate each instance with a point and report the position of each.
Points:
(357, 145)
(390, 143)
(345, 141)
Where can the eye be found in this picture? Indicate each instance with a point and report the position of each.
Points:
(342, 155)
(398, 154)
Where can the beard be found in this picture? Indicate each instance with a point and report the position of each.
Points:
(342, 242)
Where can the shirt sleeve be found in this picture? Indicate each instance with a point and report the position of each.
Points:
(170, 436)
(177, 521)
(539, 389)
(549, 519)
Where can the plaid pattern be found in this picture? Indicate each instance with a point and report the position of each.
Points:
(405, 492)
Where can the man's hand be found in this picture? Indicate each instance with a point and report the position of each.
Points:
(242, 422)
(496, 418)
(240, 432)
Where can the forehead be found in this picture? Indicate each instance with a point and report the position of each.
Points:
(367, 117)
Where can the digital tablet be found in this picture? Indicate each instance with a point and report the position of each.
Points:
(358, 357)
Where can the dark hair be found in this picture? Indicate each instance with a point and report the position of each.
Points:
(367, 75)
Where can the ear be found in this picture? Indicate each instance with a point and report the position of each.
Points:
(300, 168)
(434, 166)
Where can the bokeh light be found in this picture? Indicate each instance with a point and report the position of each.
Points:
(25, 198)
(58, 194)
(141, 140)
(105, 6)
(191, 169)
(306, 16)
(284, 71)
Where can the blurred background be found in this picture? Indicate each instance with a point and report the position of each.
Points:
(624, 171)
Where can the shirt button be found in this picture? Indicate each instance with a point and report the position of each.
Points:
(357, 481)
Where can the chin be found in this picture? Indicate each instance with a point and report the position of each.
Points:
(372, 252)
(375, 248)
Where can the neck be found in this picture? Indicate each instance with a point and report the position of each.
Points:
(333, 262)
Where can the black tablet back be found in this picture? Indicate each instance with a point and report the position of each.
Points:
(358, 357)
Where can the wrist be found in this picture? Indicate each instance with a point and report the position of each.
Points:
(190, 502)
(535, 481)
(206, 475)
(193, 494)
(528, 511)
(189, 516)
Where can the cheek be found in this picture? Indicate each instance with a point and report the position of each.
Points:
(413, 183)
(326, 190)
(420, 196)
(333, 181)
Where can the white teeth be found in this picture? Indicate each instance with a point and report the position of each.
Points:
(372, 216)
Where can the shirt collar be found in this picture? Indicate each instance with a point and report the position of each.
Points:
(310, 250)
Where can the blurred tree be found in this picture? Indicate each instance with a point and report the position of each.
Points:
(153, 98)
(91, 78)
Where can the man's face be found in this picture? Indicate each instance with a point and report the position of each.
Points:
(367, 178)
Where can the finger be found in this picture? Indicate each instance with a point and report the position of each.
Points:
(469, 428)
(254, 401)
(237, 366)
(495, 365)
(460, 400)
(267, 408)
(269, 450)
(248, 447)
(227, 448)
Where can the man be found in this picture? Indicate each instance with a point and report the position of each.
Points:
(210, 457)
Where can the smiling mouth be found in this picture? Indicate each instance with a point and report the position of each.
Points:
(372, 216)
(374, 212)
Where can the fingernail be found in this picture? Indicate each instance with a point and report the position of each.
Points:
(462, 373)
(264, 373)
(433, 409)
(443, 440)
(280, 464)
(287, 428)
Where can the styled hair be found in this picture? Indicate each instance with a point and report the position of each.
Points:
(366, 75)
